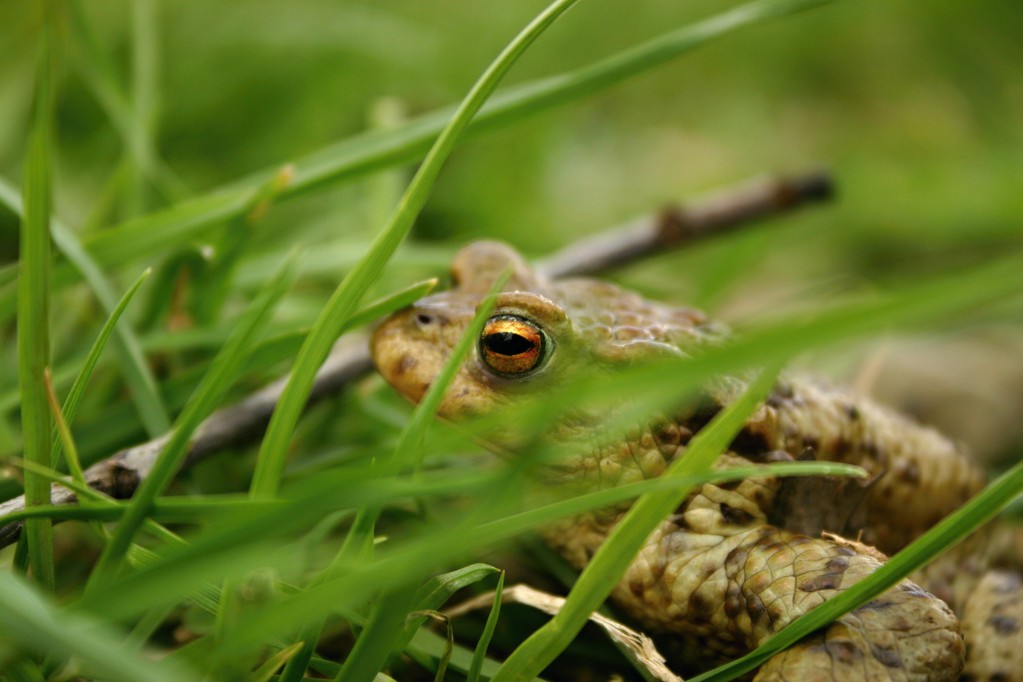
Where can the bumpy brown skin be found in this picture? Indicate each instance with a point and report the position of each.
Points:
(736, 562)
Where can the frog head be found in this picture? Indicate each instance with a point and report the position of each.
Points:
(538, 331)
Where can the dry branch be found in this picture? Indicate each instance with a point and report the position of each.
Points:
(120, 474)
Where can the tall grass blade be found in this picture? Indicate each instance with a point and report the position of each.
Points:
(346, 297)
(480, 654)
(34, 304)
(217, 380)
(77, 390)
(411, 438)
(373, 647)
(145, 65)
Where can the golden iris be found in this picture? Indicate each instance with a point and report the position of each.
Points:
(511, 345)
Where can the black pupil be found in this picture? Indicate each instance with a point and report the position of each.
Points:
(507, 343)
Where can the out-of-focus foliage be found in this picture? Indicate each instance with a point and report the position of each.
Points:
(916, 105)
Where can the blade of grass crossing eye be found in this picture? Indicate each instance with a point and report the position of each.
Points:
(34, 304)
(346, 297)
(411, 438)
(618, 551)
(217, 380)
(359, 541)
(954, 528)
(480, 654)
(74, 396)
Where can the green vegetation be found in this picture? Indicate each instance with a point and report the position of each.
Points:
(208, 141)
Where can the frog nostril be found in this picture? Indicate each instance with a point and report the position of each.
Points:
(424, 319)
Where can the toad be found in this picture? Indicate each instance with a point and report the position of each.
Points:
(737, 561)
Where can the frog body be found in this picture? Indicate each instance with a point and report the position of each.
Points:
(737, 561)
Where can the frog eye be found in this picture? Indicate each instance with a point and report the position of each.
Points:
(512, 345)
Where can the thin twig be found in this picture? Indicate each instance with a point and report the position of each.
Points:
(676, 226)
(120, 474)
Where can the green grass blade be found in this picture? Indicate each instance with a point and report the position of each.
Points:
(346, 297)
(63, 433)
(216, 276)
(359, 541)
(145, 66)
(427, 647)
(283, 343)
(265, 672)
(954, 528)
(77, 390)
(411, 438)
(435, 593)
(371, 151)
(129, 354)
(70, 451)
(510, 526)
(34, 305)
(32, 622)
(480, 654)
(100, 74)
(204, 508)
(439, 589)
(618, 551)
(134, 367)
(165, 510)
(392, 302)
(215, 383)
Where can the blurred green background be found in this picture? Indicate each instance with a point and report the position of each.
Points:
(916, 107)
